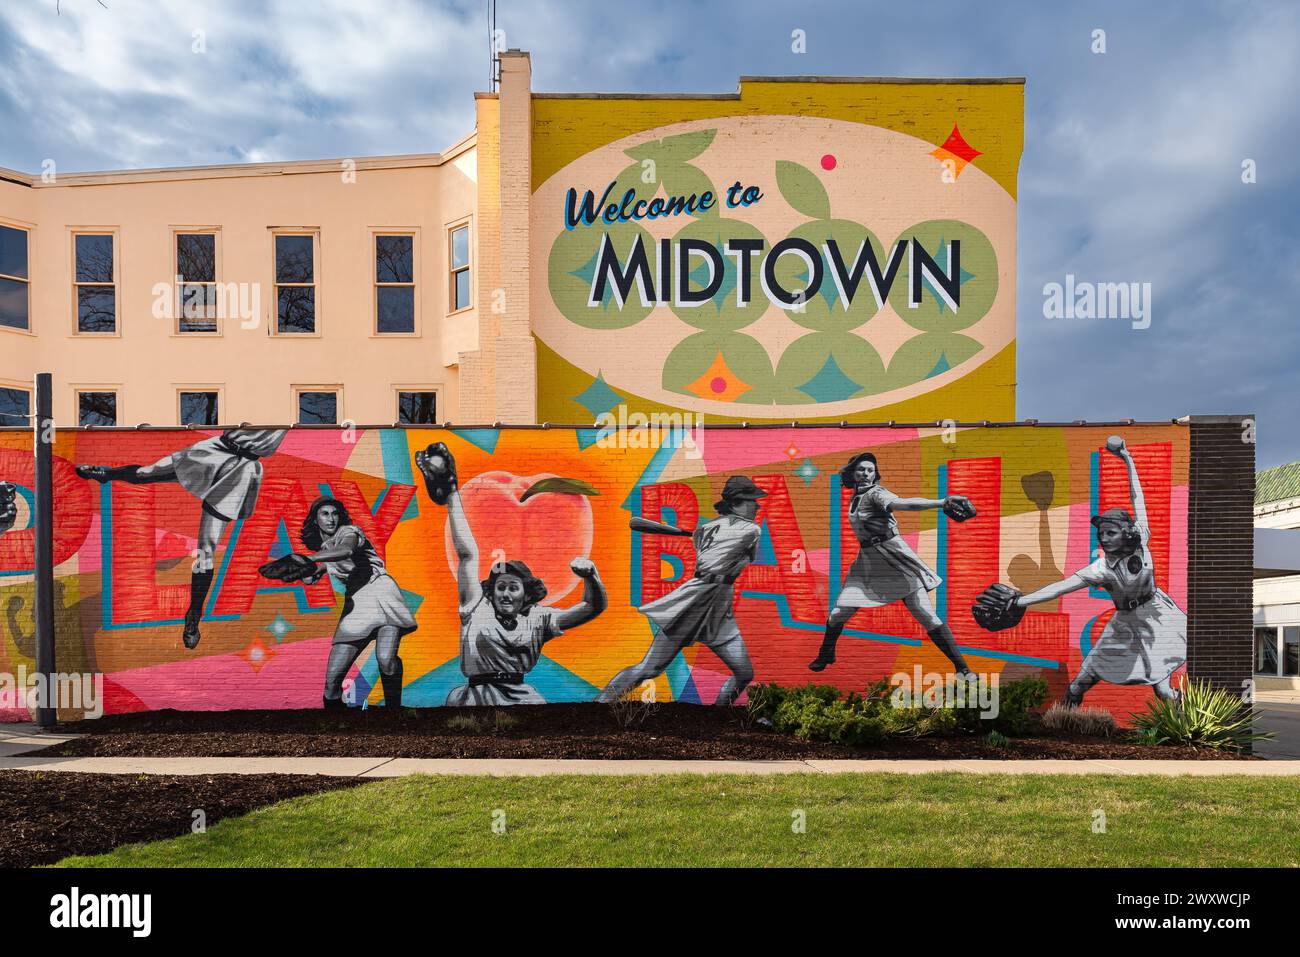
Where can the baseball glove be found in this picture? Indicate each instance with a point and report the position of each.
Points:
(290, 568)
(958, 508)
(995, 609)
(439, 469)
(8, 510)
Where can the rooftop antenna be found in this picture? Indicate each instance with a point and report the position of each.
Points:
(494, 62)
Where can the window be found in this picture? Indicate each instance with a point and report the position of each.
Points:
(14, 282)
(295, 283)
(1277, 651)
(196, 271)
(97, 408)
(395, 284)
(94, 282)
(318, 407)
(1266, 651)
(417, 407)
(15, 406)
(458, 246)
(199, 408)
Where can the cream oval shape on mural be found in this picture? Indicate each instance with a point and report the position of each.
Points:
(773, 266)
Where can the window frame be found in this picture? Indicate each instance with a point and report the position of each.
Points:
(178, 301)
(273, 325)
(397, 402)
(73, 233)
(29, 229)
(16, 386)
(1254, 652)
(466, 223)
(181, 390)
(376, 285)
(297, 390)
(115, 388)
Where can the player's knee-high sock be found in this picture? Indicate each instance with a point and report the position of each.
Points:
(200, 583)
(942, 636)
(732, 689)
(826, 654)
(119, 473)
(1084, 680)
(392, 682)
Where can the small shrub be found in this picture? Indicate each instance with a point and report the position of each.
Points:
(1203, 716)
(1094, 722)
(1016, 702)
(630, 711)
(996, 739)
(762, 701)
(504, 720)
(465, 722)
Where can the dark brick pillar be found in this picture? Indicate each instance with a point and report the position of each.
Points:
(1220, 549)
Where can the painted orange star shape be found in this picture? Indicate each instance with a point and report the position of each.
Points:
(956, 150)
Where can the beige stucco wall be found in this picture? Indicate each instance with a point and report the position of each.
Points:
(255, 370)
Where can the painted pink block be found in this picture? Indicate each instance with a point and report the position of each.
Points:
(293, 677)
(734, 450)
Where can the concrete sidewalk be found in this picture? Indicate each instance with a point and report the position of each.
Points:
(380, 767)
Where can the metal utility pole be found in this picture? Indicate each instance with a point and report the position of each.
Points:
(43, 435)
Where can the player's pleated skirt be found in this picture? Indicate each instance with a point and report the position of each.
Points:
(697, 611)
(374, 605)
(1141, 646)
(495, 694)
(884, 573)
(226, 483)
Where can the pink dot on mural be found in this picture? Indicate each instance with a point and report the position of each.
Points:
(828, 161)
(718, 384)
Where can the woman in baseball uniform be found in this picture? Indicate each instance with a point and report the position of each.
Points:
(886, 569)
(1146, 640)
(702, 609)
(225, 473)
(503, 624)
(373, 609)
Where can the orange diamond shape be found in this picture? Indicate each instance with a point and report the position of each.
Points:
(257, 654)
(719, 383)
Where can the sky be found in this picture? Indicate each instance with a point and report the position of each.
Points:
(1132, 168)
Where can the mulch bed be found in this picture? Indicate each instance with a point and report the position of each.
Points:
(672, 731)
(46, 816)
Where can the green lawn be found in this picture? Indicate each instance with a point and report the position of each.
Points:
(851, 819)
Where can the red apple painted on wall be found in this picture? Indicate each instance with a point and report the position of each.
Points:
(546, 532)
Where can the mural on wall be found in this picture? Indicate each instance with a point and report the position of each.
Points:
(224, 473)
(840, 555)
(770, 267)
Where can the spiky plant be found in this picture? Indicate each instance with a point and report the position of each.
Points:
(1202, 716)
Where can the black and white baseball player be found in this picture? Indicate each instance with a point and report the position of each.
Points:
(373, 609)
(225, 473)
(1146, 640)
(503, 624)
(701, 610)
(886, 569)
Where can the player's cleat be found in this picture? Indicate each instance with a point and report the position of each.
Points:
(825, 657)
(96, 473)
(191, 634)
(826, 653)
(820, 664)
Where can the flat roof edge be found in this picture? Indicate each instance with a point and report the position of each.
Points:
(234, 170)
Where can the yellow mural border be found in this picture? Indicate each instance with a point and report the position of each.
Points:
(989, 114)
